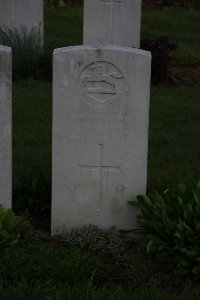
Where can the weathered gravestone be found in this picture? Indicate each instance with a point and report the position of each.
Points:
(112, 22)
(100, 135)
(22, 14)
(5, 126)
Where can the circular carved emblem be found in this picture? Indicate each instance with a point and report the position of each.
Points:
(102, 83)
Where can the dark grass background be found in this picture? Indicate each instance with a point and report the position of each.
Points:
(174, 152)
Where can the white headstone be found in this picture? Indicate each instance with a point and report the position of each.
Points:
(112, 22)
(100, 135)
(5, 127)
(22, 13)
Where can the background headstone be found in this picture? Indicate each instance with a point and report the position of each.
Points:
(100, 135)
(5, 126)
(22, 13)
(112, 22)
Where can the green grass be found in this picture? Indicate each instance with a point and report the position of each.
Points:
(47, 291)
(174, 136)
(54, 272)
(64, 27)
(57, 264)
(32, 121)
(181, 26)
(173, 140)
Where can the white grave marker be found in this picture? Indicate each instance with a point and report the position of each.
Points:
(112, 22)
(5, 127)
(100, 135)
(22, 13)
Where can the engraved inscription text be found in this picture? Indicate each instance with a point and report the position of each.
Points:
(105, 125)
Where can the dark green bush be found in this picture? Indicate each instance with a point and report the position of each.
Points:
(12, 228)
(48, 263)
(33, 193)
(160, 50)
(181, 3)
(63, 3)
(106, 243)
(31, 59)
(169, 2)
(171, 225)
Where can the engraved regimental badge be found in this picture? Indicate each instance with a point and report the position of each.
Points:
(102, 83)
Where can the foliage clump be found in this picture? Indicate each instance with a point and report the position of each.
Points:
(12, 227)
(171, 225)
(106, 243)
(63, 3)
(31, 59)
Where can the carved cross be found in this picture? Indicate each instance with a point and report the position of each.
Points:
(99, 168)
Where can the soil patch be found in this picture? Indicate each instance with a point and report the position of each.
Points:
(184, 74)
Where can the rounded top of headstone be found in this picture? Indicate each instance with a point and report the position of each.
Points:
(5, 49)
(98, 48)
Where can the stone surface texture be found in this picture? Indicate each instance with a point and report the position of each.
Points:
(22, 13)
(112, 22)
(5, 126)
(100, 135)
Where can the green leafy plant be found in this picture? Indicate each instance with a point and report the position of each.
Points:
(12, 227)
(106, 243)
(171, 225)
